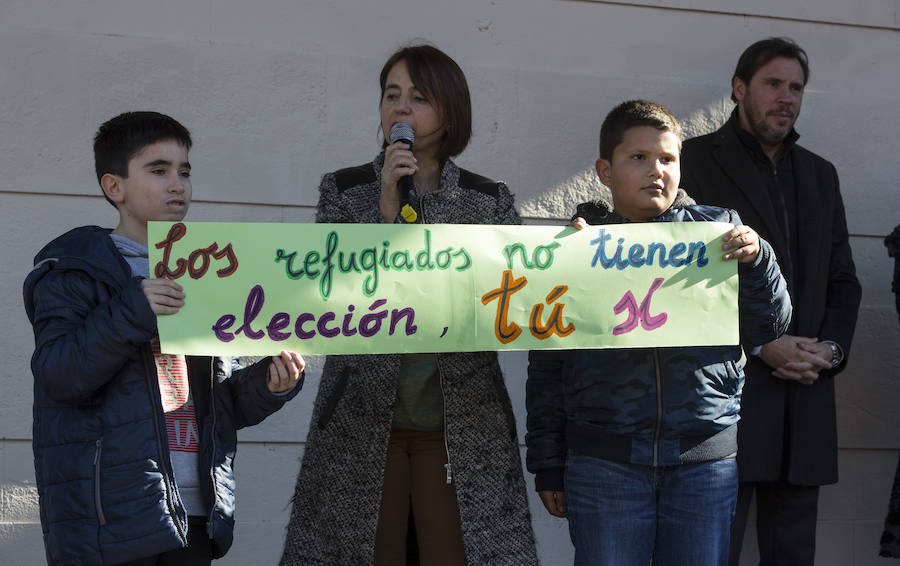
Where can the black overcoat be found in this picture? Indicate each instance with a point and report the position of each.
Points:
(787, 430)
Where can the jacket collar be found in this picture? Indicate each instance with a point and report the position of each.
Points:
(607, 213)
(732, 156)
(449, 173)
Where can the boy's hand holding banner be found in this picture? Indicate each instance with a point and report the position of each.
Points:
(255, 289)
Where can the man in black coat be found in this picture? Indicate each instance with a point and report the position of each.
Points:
(787, 436)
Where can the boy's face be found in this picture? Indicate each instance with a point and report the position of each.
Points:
(158, 187)
(643, 174)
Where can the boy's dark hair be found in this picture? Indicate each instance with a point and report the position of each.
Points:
(439, 78)
(121, 138)
(764, 51)
(633, 113)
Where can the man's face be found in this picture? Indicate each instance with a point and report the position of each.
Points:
(768, 106)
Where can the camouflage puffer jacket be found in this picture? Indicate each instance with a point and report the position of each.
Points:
(650, 406)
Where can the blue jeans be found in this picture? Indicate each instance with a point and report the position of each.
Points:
(625, 515)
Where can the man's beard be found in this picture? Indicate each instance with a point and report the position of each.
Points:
(768, 134)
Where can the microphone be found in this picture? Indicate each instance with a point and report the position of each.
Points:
(407, 193)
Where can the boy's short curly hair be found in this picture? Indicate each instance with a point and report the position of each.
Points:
(121, 138)
(633, 113)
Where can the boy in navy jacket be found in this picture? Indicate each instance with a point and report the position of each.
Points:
(133, 449)
(636, 446)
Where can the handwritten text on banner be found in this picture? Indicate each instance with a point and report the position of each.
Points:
(257, 289)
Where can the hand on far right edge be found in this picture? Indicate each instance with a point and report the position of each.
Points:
(554, 501)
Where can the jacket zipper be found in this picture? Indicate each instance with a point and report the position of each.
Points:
(659, 408)
(421, 219)
(444, 408)
(212, 435)
(448, 466)
(164, 464)
(98, 448)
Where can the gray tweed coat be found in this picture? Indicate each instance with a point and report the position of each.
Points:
(338, 492)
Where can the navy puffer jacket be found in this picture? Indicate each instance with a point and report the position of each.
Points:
(104, 476)
(650, 406)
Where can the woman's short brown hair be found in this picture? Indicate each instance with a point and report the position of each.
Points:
(438, 77)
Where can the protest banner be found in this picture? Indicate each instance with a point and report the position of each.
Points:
(257, 289)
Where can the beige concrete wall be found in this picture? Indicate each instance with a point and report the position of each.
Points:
(277, 92)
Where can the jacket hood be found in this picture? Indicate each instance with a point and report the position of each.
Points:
(81, 249)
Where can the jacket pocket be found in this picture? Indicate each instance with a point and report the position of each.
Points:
(331, 403)
(98, 505)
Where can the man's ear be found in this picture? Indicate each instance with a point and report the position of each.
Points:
(112, 187)
(738, 88)
(603, 167)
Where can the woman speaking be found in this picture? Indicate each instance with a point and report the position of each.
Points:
(422, 438)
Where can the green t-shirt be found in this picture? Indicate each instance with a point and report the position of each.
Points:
(419, 404)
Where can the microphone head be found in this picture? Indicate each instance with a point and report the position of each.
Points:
(402, 132)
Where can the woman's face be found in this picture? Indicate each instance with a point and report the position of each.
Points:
(403, 102)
